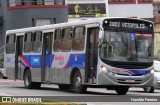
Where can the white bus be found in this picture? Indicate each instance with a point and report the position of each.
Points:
(113, 53)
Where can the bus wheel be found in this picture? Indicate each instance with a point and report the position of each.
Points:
(28, 81)
(149, 89)
(122, 90)
(77, 83)
(63, 86)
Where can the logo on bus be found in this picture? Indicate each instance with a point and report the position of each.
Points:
(35, 60)
(58, 58)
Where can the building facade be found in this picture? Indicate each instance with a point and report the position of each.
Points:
(86, 9)
(122, 8)
(15, 14)
(156, 11)
(131, 8)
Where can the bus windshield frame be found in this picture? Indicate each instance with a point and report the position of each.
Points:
(127, 40)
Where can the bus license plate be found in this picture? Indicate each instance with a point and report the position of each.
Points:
(130, 80)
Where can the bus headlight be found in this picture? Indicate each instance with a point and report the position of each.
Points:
(103, 68)
(152, 71)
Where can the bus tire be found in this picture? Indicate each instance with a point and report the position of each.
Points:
(77, 83)
(122, 90)
(64, 86)
(149, 89)
(28, 81)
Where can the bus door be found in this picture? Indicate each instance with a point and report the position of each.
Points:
(47, 57)
(18, 56)
(92, 54)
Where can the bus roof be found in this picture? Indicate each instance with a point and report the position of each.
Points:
(66, 24)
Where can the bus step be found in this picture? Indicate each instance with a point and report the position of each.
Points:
(90, 84)
(46, 82)
(92, 80)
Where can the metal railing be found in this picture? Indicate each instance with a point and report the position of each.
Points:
(121, 0)
(17, 3)
(156, 0)
(145, 0)
(36, 2)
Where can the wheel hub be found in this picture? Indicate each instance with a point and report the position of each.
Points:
(78, 82)
(27, 80)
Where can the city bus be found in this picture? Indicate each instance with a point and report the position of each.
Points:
(111, 53)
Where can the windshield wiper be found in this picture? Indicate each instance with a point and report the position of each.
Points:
(123, 40)
(136, 47)
(149, 50)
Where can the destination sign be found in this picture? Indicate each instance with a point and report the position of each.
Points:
(127, 24)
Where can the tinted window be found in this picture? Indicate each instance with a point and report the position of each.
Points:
(79, 38)
(28, 42)
(67, 39)
(57, 40)
(37, 42)
(10, 44)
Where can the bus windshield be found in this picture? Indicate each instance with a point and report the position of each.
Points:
(126, 46)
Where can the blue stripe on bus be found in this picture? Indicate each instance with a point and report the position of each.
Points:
(22, 63)
(33, 60)
(49, 59)
(76, 60)
(138, 72)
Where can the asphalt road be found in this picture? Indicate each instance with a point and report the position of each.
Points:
(93, 95)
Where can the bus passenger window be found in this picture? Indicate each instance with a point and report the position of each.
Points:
(79, 38)
(57, 40)
(37, 42)
(28, 42)
(48, 43)
(67, 39)
(10, 44)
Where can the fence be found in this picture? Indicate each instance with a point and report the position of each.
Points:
(35, 2)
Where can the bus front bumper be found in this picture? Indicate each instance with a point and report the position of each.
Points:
(117, 80)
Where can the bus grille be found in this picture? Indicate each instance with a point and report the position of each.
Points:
(129, 75)
(123, 81)
(132, 66)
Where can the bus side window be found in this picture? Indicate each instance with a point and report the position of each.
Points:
(94, 38)
(79, 38)
(37, 42)
(28, 42)
(57, 40)
(67, 39)
(10, 44)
